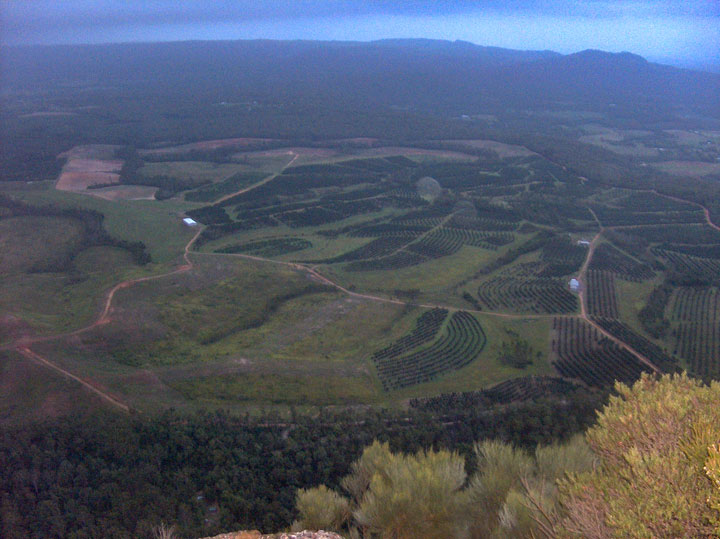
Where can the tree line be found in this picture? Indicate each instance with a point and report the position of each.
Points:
(114, 476)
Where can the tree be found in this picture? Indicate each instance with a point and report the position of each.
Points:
(426, 494)
(712, 469)
(391, 495)
(655, 473)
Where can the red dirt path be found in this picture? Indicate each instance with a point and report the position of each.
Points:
(23, 344)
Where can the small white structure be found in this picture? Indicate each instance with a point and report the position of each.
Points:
(574, 285)
(189, 222)
(586, 243)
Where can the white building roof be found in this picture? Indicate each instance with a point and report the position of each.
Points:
(189, 222)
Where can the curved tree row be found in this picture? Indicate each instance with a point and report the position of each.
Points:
(426, 327)
(268, 247)
(639, 343)
(461, 342)
(399, 260)
(534, 294)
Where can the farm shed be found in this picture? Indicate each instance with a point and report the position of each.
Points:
(574, 285)
(189, 222)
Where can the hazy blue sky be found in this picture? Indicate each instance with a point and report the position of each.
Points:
(684, 31)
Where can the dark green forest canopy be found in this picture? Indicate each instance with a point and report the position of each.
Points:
(115, 476)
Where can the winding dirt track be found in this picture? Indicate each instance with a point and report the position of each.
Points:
(22, 346)
(705, 210)
(25, 351)
(104, 317)
(583, 308)
(261, 182)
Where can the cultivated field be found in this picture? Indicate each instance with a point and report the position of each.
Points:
(330, 276)
(87, 166)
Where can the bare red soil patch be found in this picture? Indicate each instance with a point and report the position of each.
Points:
(125, 192)
(89, 165)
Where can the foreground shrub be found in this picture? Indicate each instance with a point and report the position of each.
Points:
(654, 477)
(428, 495)
(650, 467)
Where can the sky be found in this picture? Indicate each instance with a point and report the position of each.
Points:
(682, 32)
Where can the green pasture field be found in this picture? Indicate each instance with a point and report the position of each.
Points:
(62, 301)
(196, 171)
(313, 350)
(29, 243)
(632, 297)
(158, 224)
(32, 392)
(688, 168)
(246, 335)
(434, 279)
(53, 295)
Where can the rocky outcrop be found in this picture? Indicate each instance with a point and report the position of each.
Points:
(294, 535)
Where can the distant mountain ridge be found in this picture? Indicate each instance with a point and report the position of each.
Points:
(420, 74)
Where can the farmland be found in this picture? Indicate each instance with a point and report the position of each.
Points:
(227, 267)
(336, 276)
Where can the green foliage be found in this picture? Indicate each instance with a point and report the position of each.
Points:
(652, 315)
(501, 469)
(413, 495)
(114, 476)
(712, 470)
(321, 508)
(393, 495)
(652, 442)
(426, 494)
(650, 468)
(517, 353)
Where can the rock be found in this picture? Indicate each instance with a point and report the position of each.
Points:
(307, 535)
(254, 534)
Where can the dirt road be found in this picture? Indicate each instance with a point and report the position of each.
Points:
(22, 346)
(261, 182)
(25, 351)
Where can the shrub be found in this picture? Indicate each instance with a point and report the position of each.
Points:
(652, 442)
